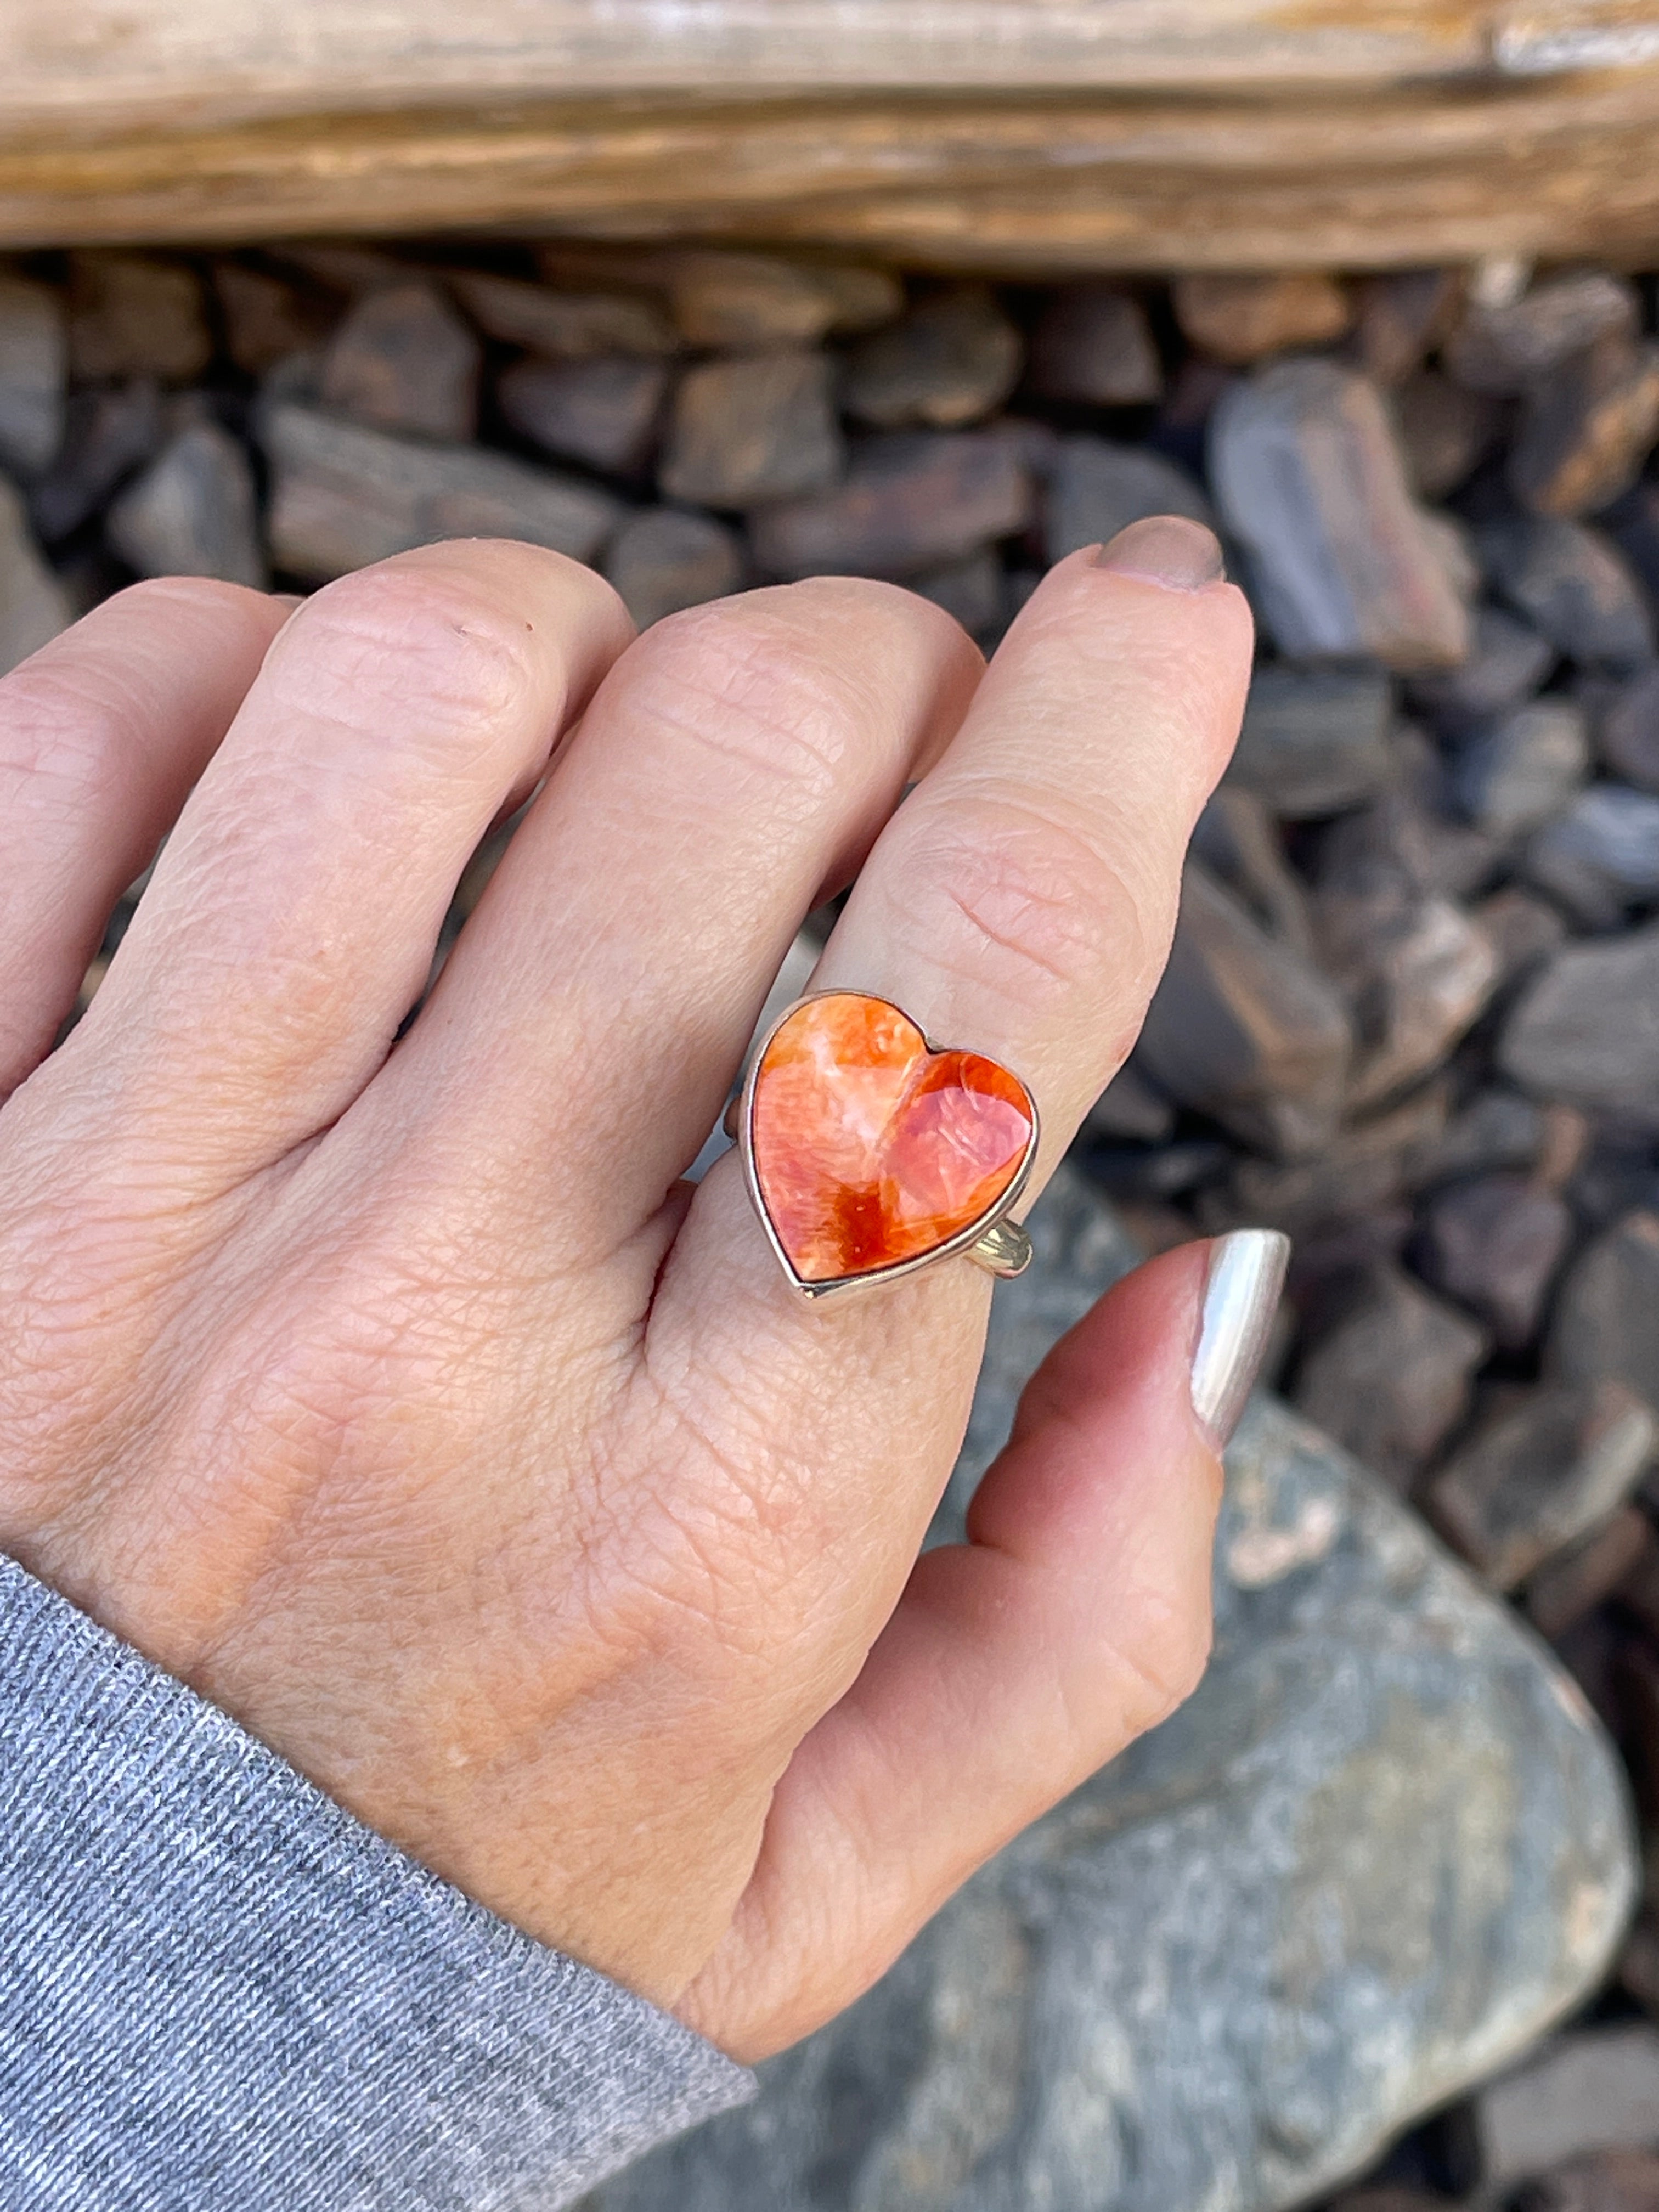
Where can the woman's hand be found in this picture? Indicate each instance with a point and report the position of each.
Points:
(400, 1397)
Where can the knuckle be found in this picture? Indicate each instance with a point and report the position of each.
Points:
(392, 637)
(1019, 900)
(1171, 1651)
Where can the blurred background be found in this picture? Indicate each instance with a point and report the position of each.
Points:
(940, 292)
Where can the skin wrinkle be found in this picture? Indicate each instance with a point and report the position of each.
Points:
(546, 1564)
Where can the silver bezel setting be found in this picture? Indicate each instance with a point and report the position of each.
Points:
(965, 1238)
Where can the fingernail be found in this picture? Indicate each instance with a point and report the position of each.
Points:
(1167, 549)
(1241, 1297)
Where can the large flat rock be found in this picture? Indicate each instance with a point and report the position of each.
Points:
(1384, 1846)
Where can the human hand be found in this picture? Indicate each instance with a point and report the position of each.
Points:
(399, 1397)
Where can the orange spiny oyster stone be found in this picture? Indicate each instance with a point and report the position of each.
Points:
(869, 1149)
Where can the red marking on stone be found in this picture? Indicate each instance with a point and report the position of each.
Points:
(870, 1150)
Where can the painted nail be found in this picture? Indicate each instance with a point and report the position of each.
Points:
(1167, 549)
(1241, 1296)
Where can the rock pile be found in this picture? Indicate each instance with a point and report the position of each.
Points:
(1412, 1014)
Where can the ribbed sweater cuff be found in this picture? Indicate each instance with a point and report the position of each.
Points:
(219, 1992)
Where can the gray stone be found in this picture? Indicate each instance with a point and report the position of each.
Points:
(753, 429)
(1362, 1169)
(602, 408)
(192, 513)
(1593, 2090)
(133, 316)
(1523, 929)
(1401, 316)
(1572, 587)
(1586, 1030)
(1098, 488)
(1627, 731)
(972, 591)
(1608, 2181)
(34, 604)
(663, 559)
(1607, 1317)
(1238, 840)
(1389, 1376)
(1587, 429)
(563, 325)
(1240, 320)
(1516, 774)
(1093, 347)
(1494, 1243)
(1382, 1846)
(910, 501)
(403, 360)
(34, 365)
(953, 360)
(1315, 741)
(265, 318)
(1245, 1028)
(1444, 431)
(1601, 854)
(344, 495)
(1131, 1106)
(1505, 347)
(1405, 843)
(1417, 971)
(1577, 1580)
(1308, 478)
(111, 430)
(1508, 661)
(1496, 1129)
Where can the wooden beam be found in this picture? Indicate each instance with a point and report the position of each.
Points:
(1553, 167)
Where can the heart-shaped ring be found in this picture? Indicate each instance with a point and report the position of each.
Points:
(871, 1152)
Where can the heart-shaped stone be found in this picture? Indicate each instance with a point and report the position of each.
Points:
(868, 1149)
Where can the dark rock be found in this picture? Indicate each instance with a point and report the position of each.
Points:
(1587, 429)
(1098, 488)
(131, 316)
(111, 431)
(1387, 2199)
(192, 513)
(340, 267)
(1360, 1171)
(1591, 2089)
(1507, 347)
(1496, 1129)
(344, 495)
(1401, 316)
(1508, 661)
(403, 360)
(1389, 1378)
(34, 604)
(1404, 842)
(1238, 840)
(663, 559)
(861, 298)
(1572, 587)
(1577, 1580)
(735, 300)
(1540, 1474)
(1131, 1106)
(1240, 320)
(564, 326)
(1382, 1846)
(1633, 523)
(1309, 479)
(971, 591)
(1518, 773)
(1614, 2181)
(603, 408)
(1494, 1245)
(951, 360)
(753, 429)
(1607, 1316)
(1315, 741)
(1627, 731)
(1093, 347)
(1244, 1028)
(1586, 1030)
(265, 318)
(1444, 431)
(34, 364)
(1522, 929)
(1157, 1171)
(1601, 854)
(910, 501)
(1417, 972)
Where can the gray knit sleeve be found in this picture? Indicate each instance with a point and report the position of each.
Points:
(221, 1993)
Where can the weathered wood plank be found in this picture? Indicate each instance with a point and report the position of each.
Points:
(1553, 167)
